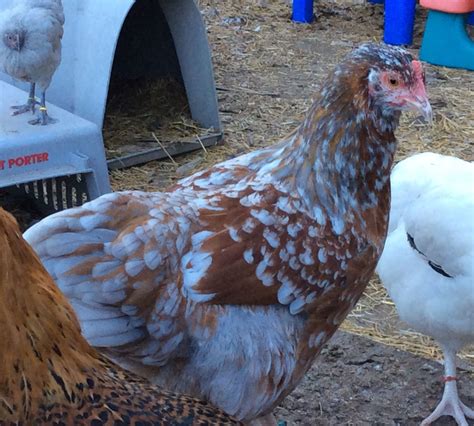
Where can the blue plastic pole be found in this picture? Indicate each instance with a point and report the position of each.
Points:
(303, 11)
(399, 21)
(470, 18)
(376, 1)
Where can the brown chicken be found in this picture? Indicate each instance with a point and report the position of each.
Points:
(228, 285)
(48, 372)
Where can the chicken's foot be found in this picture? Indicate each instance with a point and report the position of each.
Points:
(30, 104)
(268, 420)
(450, 404)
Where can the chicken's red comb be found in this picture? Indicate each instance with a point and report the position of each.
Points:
(418, 68)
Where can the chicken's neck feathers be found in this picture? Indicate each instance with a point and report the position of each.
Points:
(339, 158)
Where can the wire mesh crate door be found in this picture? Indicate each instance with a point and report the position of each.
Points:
(57, 193)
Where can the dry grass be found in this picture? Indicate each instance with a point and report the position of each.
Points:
(266, 69)
(138, 109)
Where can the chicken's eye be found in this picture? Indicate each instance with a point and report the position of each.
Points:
(393, 82)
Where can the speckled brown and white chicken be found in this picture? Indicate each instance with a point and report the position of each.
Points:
(49, 375)
(228, 285)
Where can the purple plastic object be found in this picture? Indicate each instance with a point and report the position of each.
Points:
(399, 21)
(303, 11)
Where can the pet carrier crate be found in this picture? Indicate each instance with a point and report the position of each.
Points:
(60, 165)
(102, 40)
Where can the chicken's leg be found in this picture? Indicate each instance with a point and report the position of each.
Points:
(43, 118)
(450, 404)
(30, 104)
(268, 420)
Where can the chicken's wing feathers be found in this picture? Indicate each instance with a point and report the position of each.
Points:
(265, 251)
(441, 224)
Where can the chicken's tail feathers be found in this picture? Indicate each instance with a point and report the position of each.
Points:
(112, 267)
(71, 245)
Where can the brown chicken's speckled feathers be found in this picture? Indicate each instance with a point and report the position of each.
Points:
(48, 372)
(227, 285)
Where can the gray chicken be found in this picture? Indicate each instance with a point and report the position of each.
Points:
(30, 48)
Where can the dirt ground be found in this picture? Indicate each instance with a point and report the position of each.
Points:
(359, 382)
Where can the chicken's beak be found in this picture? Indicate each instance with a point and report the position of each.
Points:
(18, 43)
(418, 99)
(421, 105)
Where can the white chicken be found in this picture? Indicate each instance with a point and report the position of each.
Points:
(427, 264)
(30, 48)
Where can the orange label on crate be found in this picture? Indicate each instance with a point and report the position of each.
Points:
(24, 160)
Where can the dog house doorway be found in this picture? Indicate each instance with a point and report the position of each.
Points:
(161, 85)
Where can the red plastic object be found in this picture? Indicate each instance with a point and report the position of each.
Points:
(451, 6)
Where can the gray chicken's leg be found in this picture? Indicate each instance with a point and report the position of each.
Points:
(43, 117)
(30, 104)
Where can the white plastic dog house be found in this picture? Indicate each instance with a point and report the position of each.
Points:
(103, 39)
